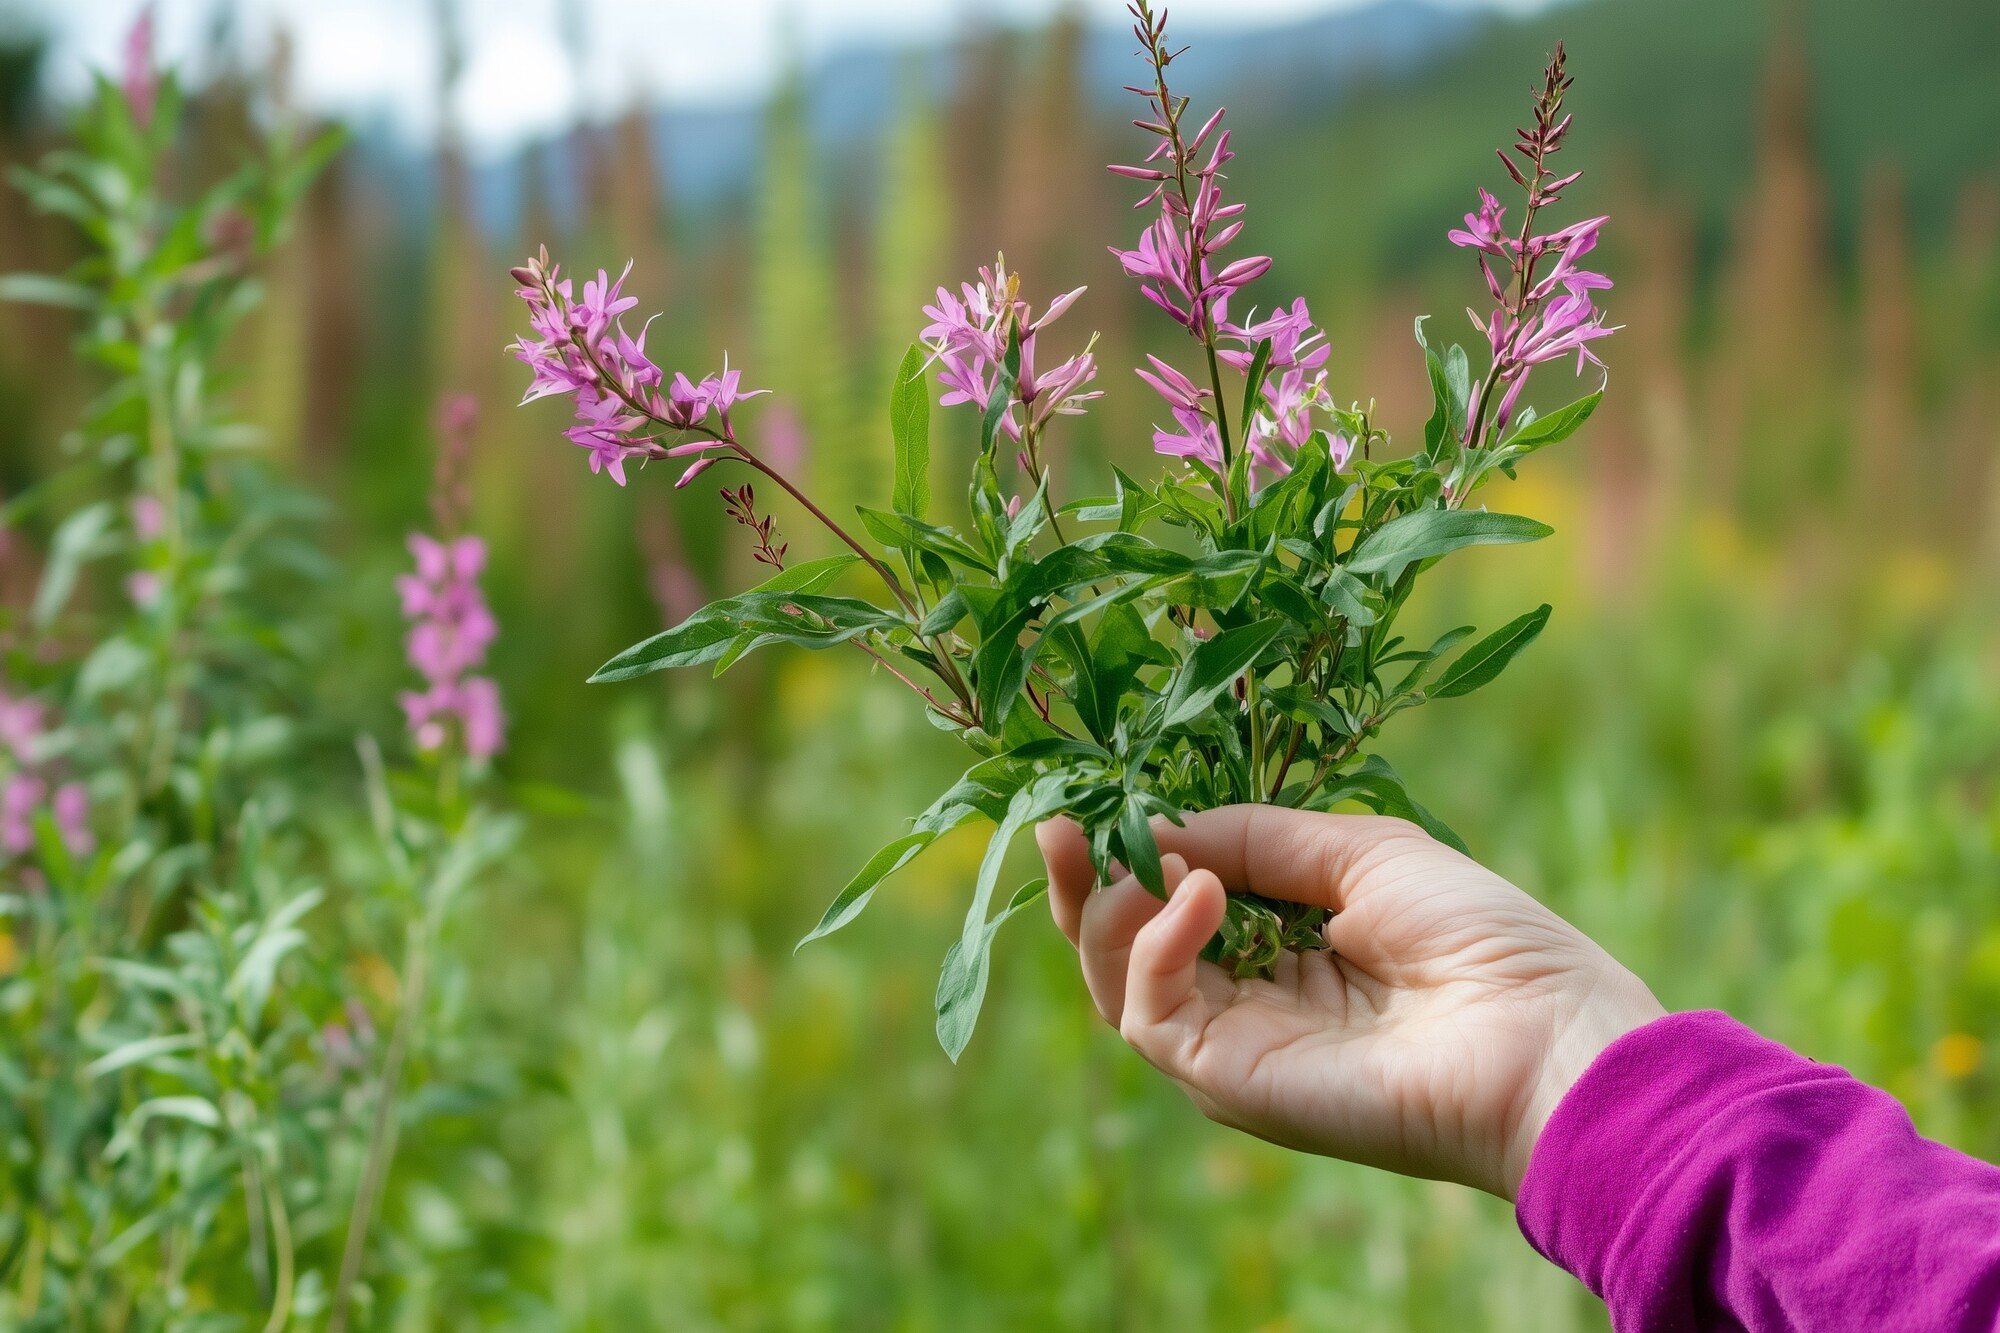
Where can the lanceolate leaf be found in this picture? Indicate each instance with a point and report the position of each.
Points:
(1212, 668)
(1484, 661)
(757, 618)
(985, 790)
(1141, 850)
(1426, 533)
(901, 530)
(852, 900)
(1554, 428)
(910, 425)
(811, 576)
(77, 541)
(962, 981)
(1377, 786)
(963, 985)
(1451, 391)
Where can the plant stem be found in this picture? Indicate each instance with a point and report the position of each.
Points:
(382, 1132)
(1170, 116)
(946, 709)
(281, 1240)
(1256, 732)
(950, 673)
(888, 575)
(726, 438)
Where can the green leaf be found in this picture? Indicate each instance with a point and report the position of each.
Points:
(1485, 660)
(756, 618)
(194, 1110)
(1212, 667)
(1141, 852)
(251, 982)
(1000, 668)
(962, 980)
(910, 425)
(1377, 786)
(1425, 658)
(1105, 665)
(80, 538)
(1345, 594)
(1253, 383)
(984, 790)
(1554, 428)
(944, 617)
(39, 289)
(1220, 580)
(135, 1052)
(1451, 393)
(811, 576)
(1426, 533)
(853, 899)
(901, 530)
(962, 987)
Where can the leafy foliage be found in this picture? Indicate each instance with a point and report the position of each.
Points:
(1185, 648)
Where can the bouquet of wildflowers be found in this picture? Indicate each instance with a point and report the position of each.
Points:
(1224, 634)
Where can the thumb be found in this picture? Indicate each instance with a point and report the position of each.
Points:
(1164, 973)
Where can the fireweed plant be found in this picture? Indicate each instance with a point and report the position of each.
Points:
(1226, 634)
(213, 1001)
(166, 1113)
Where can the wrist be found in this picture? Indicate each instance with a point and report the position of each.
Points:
(1614, 1004)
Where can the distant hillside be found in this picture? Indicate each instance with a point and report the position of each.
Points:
(1668, 100)
(711, 152)
(1377, 118)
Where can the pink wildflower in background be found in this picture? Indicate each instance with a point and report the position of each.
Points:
(140, 81)
(29, 786)
(451, 629)
(149, 518)
(451, 626)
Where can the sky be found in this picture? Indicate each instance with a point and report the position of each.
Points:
(377, 57)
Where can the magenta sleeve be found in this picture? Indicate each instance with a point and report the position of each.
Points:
(1701, 1177)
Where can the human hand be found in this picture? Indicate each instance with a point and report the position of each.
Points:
(1434, 1037)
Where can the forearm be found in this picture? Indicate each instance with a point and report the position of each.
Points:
(1699, 1176)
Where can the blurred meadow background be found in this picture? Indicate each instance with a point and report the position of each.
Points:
(1757, 754)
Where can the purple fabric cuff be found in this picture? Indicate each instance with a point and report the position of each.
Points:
(1619, 1132)
(1701, 1177)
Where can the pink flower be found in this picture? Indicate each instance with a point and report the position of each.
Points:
(1294, 339)
(479, 713)
(139, 82)
(1175, 258)
(1541, 315)
(20, 797)
(1197, 438)
(625, 401)
(451, 630)
(1485, 230)
(71, 811)
(143, 586)
(601, 305)
(149, 517)
(22, 722)
(968, 336)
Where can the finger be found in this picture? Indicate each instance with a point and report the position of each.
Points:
(1111, 918)
(1164, 1007)
(1301, 856)
(1066, 852)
